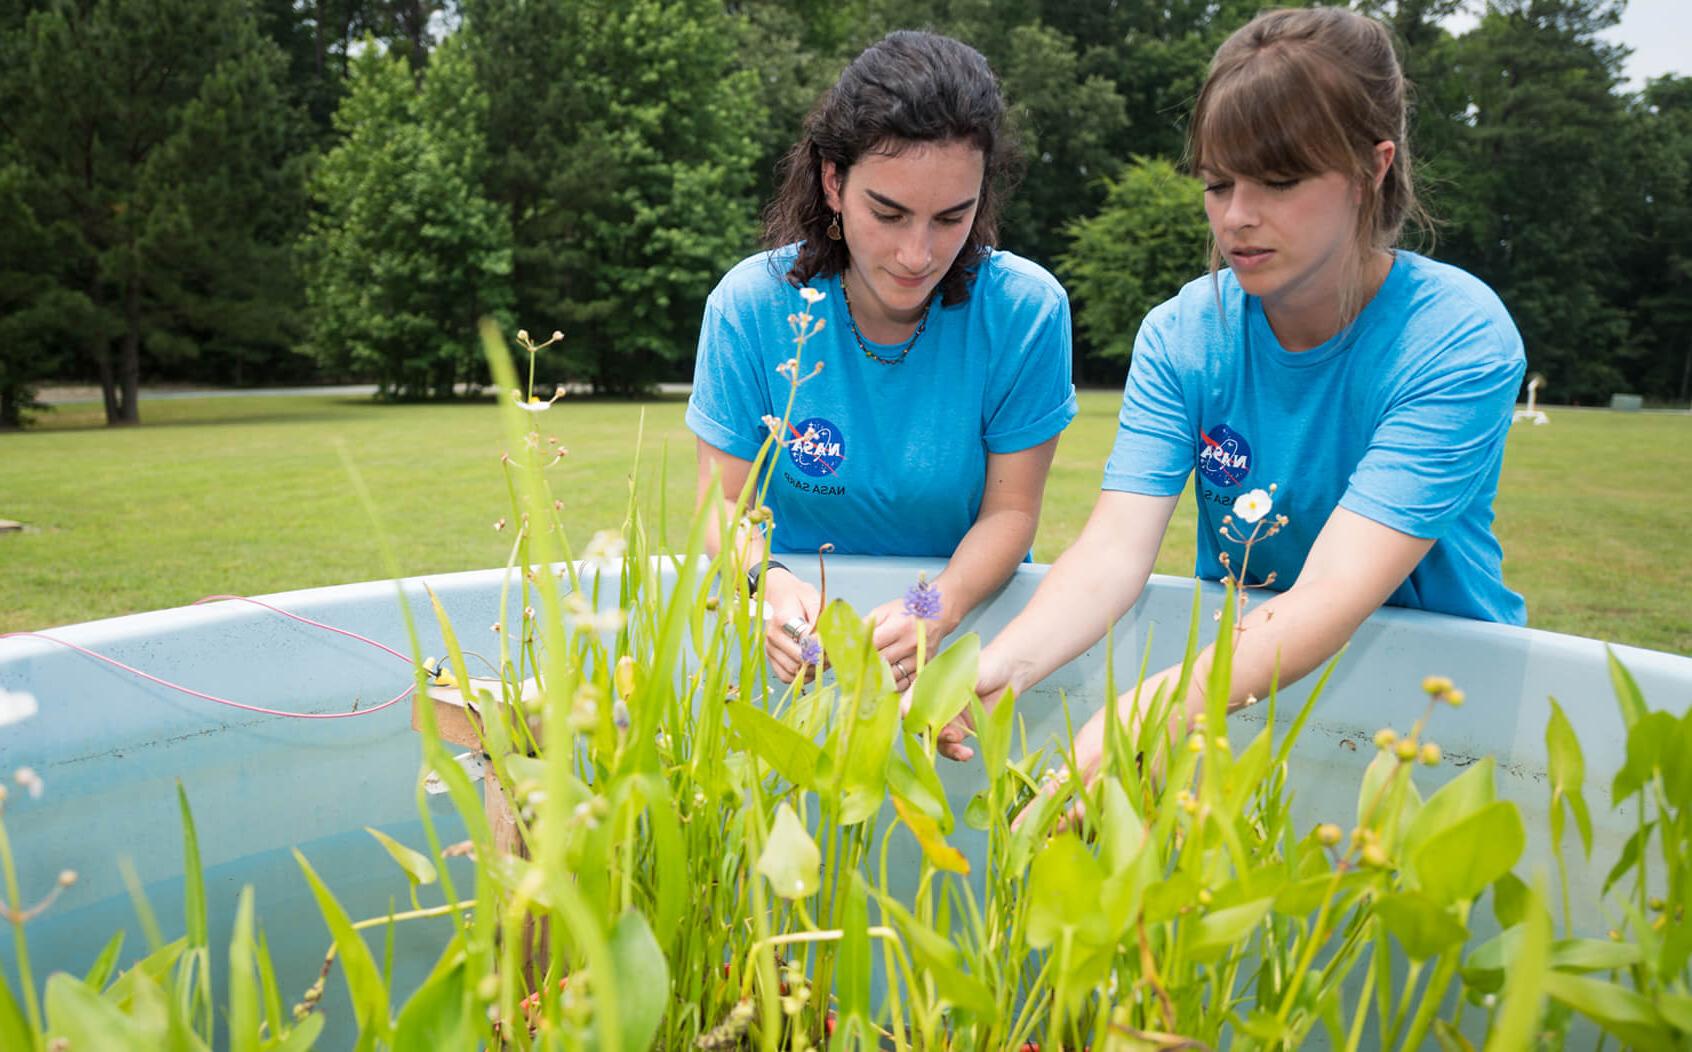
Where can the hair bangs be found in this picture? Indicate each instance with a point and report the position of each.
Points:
(1268, 117)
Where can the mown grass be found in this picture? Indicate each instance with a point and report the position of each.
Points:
(250, 495)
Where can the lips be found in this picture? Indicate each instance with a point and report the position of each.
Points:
(909, 283)
(1249, 257)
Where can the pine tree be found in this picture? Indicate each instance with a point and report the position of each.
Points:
(154, 146)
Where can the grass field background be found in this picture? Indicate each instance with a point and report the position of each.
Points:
(250, 495)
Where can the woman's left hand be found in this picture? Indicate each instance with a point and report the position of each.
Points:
(896, 639)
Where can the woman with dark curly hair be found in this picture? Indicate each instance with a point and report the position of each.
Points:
(946, 362)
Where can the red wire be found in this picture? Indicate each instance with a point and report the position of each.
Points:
(396, 699)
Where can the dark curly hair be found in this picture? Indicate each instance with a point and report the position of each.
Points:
(910, 87)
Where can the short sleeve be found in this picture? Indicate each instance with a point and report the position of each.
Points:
(731, 392)
(1153, 454)
(1039, 400)
(1439, 444)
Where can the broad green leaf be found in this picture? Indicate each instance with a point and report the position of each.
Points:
(98, 973)
(364, 981)
(1524, 990)
(1651, 734)
(418, 868)
(919, 783)
(1594, 955)
(669, 845)
(1628, 697)
(1420, 925)
(939, 854)
(85, 1020)
(1617, 1009)
(14, 1031)
(1063, 891)
(1676, 763)
(438, 1015)
(945, 685)
(1121, 831)
(152, 968)
(1567, 770)
(858, 669)
(1165, 899)
(789, 753)
(243, 989)
(993, 729)
(1509, 900)
(643, 980)
(1304, 897)
(854, 967)
(303, 1036)
(790, 858)
(1374, 793)
(1457, 863)
(863, 776)
(978, 814)
(1218, 931)
(1677, 1009)
(1630, 854)
(1453, 802)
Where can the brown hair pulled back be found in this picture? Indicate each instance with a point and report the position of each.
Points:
(909, 88)
(1305, 91)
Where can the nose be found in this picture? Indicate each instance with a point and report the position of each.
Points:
(1242, 208)
(915, 252)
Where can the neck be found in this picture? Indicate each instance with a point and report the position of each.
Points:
(1308, 322)
(875, 323)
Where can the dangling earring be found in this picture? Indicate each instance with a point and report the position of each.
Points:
(834, 228)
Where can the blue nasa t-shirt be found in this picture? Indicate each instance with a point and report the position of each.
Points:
(1400, 418)
(896, 458)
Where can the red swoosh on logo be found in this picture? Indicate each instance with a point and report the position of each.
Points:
(797, 437)
(1232, 481)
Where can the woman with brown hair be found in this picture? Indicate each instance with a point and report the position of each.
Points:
(1318, 373)
(945, 379)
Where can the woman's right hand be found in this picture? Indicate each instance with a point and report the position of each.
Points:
(787, 598)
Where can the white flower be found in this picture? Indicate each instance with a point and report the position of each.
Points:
(1252, 506)
(30, 781)
(810, 295)
(16, 706)
(605, 548)
(535, 403)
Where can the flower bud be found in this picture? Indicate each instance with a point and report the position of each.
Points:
(1454, 697)
(1375, 855)
(1195, 743)
(1328, 834)
(1437, 685)
(67, 877)
(1406, 750)
(625, 676)
(523, 334)
(556, 335)
(1430, 755)
(1386, 738)
(1205, 897)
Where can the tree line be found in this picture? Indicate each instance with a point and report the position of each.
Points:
(260, 191)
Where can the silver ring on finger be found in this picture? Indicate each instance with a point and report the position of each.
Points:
(795, 628)
(899, 667)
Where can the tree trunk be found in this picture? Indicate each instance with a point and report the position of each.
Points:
(129, 366)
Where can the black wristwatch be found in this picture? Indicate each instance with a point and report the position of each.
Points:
(755, 578)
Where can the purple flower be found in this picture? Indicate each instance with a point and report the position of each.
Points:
(811, 651)
(922, 600)
(620, 716)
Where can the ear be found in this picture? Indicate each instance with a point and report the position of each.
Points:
(833, 181)
(1385, 151)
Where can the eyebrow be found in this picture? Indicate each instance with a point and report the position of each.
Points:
(888, 202)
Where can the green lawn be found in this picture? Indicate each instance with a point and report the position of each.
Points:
(249, 495)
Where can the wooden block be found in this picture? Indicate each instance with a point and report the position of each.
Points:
(458, 719)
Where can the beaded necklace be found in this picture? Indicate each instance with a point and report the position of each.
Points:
(871, 355)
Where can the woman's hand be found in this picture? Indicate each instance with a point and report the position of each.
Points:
(787, 600)
(895, 639)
